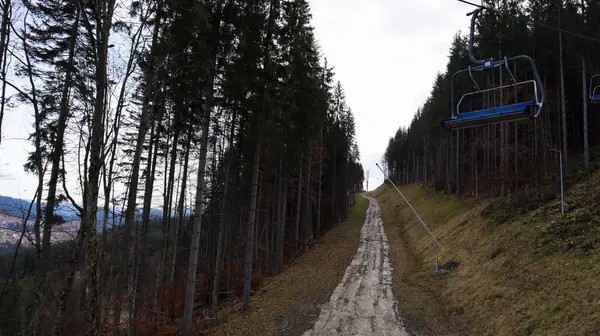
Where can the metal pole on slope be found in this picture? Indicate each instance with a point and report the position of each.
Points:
(439, 247)
(562, 191)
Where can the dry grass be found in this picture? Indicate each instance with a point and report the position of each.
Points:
(514, 278)
(288, 303)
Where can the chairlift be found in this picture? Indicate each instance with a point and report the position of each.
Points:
(595, 89)
(519, 110)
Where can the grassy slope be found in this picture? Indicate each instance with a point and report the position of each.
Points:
(288, 303)
(533, 274)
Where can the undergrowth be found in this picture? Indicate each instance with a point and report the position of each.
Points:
(517, 205)
(578, 230)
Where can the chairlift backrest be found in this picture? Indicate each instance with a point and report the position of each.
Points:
(595, 89)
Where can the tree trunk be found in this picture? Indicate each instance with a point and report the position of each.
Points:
(108, 185)
(168, 200)
(4, 39)
(87, 230)
(181, 206)
(562, 92)
(68, 283)
(502, 158)
(221, 240)
(333, 212)
(144, 125)
(186, 322)
(40, 169)
(321, 183)
(307, 215)
(109, 172)
(56, 156)
(251, 224)
(280, 236)
(448, 164)
(134, 263)
(586, 146)
(168, 197)
(298, 208)
(103, 28)
(516, 145)
(457, 162)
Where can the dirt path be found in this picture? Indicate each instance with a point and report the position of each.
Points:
(363, 303)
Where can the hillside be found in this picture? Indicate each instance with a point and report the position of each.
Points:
(516, 267)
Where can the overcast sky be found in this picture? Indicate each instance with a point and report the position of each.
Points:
(386, 53)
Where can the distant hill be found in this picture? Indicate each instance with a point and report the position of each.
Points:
(16, 207)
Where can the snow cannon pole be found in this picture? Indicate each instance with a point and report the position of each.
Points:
(440, 249)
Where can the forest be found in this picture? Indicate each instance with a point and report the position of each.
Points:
(500, 159)
(224, 114)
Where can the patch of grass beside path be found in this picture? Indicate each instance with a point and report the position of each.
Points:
(288, 304)
(532, 274)
(424, 311)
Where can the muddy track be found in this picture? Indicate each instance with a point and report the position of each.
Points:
(363, 303)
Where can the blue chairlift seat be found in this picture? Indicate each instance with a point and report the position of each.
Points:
(513, 112)
(595, 99)
(506, 113)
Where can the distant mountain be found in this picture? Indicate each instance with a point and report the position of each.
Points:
(15, 207)
(13, 210)
(18, 208)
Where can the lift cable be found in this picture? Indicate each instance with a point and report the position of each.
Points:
(440, 249)
(541, 24)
